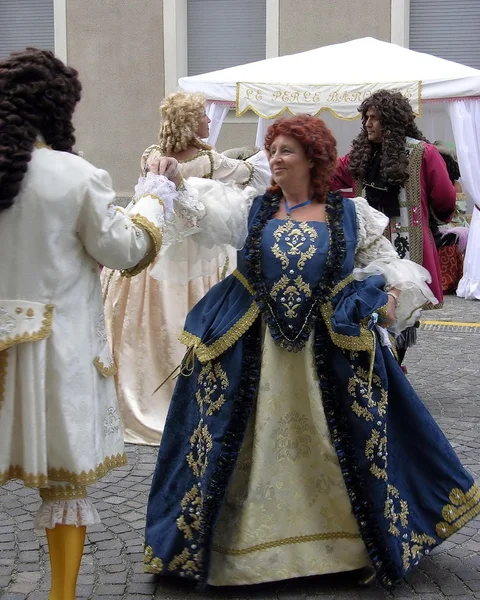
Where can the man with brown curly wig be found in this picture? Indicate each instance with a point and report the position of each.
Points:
(400, 174)
(60, 427)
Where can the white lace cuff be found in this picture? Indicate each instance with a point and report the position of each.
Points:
(80, 512)
(160, 187)
(376, 256)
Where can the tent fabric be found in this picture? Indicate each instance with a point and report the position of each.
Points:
(361, 61)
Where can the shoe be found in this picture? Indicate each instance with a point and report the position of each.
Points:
(366, 576)
(404, 369)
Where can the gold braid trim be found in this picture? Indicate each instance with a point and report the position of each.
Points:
(252, 173)
(107, 285)
(70, 492)
(83, 478)
(36, 336)
(334, 535)
(243, 280)
(463, 507)
(366, 339)
(430, 306)
(156, 236)
(225, 268)
(414, 200)
(205, 353)
(106, 371)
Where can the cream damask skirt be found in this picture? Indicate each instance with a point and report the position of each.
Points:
(287, 513)
(144, 318)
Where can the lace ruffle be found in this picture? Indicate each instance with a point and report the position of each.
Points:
(80, 512)
(215, 220)
(160, 186)
(376, 256)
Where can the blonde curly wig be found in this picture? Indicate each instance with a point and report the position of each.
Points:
(181, 114)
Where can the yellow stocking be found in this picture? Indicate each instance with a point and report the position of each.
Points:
(57, 563)
(65, 544)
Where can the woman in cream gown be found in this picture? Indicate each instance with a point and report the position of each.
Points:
(145, 315)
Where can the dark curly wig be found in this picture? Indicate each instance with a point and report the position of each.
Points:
(451, 161)
(397, 121)
(38, 94)
(320, 147)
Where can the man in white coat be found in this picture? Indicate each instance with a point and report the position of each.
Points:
(60, 429)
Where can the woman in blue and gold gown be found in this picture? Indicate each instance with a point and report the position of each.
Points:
(294, 444)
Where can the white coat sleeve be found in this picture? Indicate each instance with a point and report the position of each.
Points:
(126, 239)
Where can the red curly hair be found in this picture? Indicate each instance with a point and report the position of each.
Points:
(320, 147)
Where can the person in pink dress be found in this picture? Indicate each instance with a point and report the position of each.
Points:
(400, 174)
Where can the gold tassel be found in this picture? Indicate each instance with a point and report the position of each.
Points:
(372, 363)
(185, 368)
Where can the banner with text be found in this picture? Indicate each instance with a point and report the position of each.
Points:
(269, 100)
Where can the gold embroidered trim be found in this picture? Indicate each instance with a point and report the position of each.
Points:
(152, 564)
(357, 189)
(212, 165)
(205, 353)
(70, 492)
(106, 371)
(462, 508)
(194, 157)
(107, 286)
(225, 268)
(83, 478)
(244, 281)
(156, 236)
(430, 306)
(414, 200)
(334, 535)
(3, 375)
(36, 336)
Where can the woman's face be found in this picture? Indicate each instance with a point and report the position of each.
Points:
(288, 160)
(203, 129)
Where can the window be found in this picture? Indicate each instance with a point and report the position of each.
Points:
(225, 33)
(448, 29)
(26, 23)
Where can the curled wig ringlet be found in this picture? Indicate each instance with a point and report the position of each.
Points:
(449, 155)
(319, 145)
(181, 114)
(38, 95)
(397, 121)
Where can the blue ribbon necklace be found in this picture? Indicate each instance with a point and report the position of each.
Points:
(291, 208)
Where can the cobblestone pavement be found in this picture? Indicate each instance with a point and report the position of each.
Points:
(443, 367)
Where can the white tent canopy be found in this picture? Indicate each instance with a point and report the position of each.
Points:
(336, 78)
(366, 60)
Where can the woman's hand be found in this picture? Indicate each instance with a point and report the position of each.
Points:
(166, 166)
(391, 310)
(392, 302)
